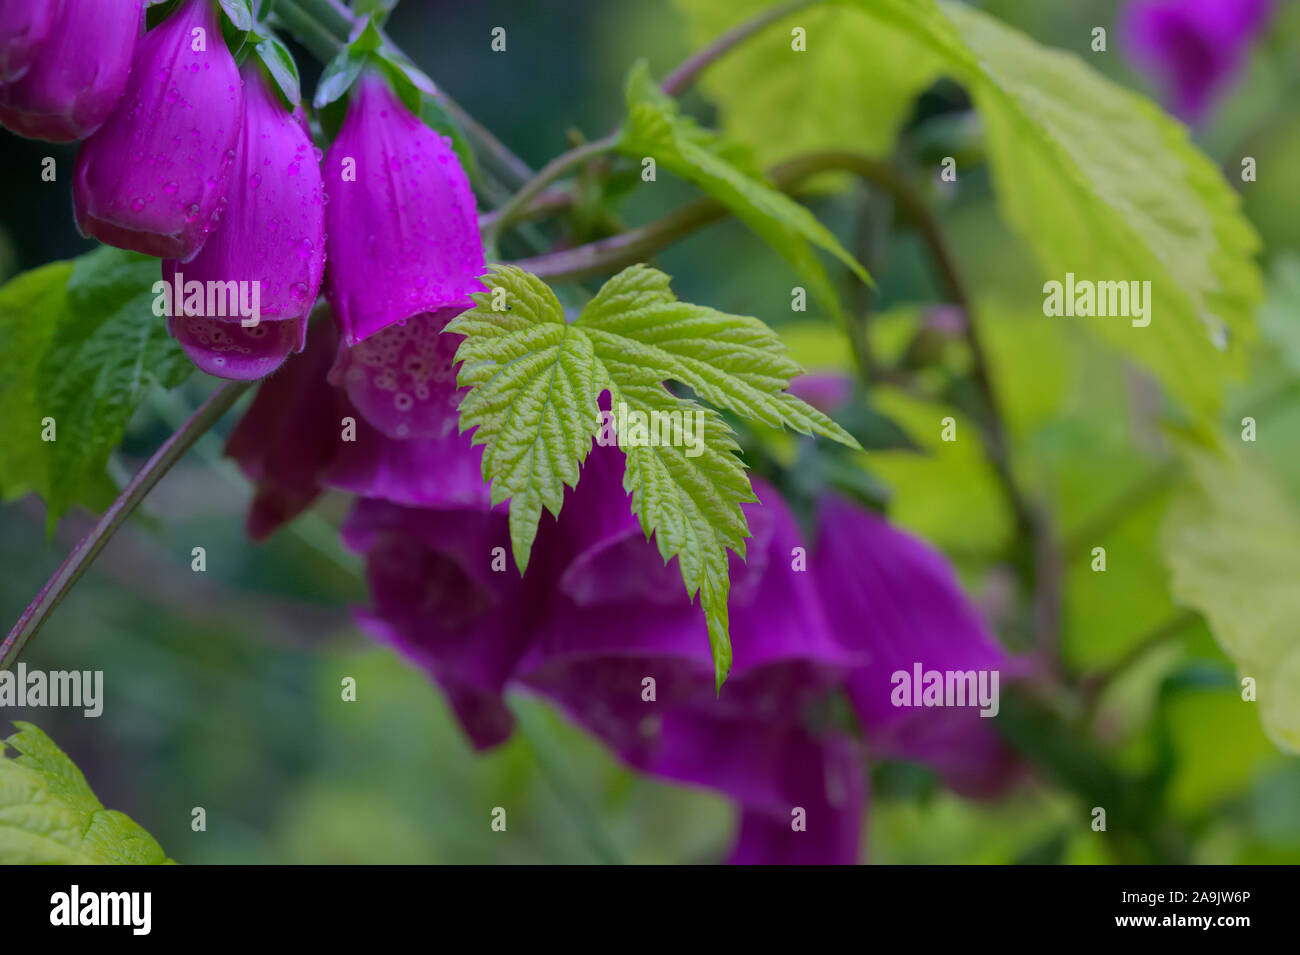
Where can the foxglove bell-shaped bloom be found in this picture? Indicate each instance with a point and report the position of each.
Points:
(24, 25)
(896, 600)
(301, 435)
(271, 240)
(597, 613)
(154, 177)
(79, 74)
(403, 379)
(603, 628)
(403, 231)
(289, 435)
(1194, 48)
(619, 617)
(439, 601)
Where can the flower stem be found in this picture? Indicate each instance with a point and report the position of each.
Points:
(70, 571)
(553, 170)
(330, 16)
(682, 77)
(307, 30)
(635, 245)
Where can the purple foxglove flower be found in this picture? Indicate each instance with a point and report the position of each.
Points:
(154, 177)
(403, 231)
(271, 240)
(618, 616)
(895, 599)
(403, 378)
(439, 601)
(290, 434)
(598, 612)
(301, 435)
(1194, 48)
(79, 75)
(24, 25)
(444, 472)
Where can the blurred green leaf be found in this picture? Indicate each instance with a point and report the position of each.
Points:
(30, 308)
(48, 813)
(1217, 743)
(108, 350)
(656, 129)
(1109, 612)
(1232, 543)
(947, 493)
(1279, 319)
(1101, 183)
(851, 88)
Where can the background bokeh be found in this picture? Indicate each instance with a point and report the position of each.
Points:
(222, 689)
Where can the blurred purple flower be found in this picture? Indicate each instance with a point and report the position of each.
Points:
(895, 599)
(1194, 48)
(438, 600)
(403, 233)
(812, 620)
(825, 391)
(602, 613)
(79, 73)
(946, 320)
(24, 25)
(290, 434)
(272, 232)
(154, 177)
(617, 616)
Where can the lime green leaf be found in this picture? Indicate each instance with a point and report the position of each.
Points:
(1232, 544)
(690, 505)
(655, 129)
(48, 813)
(851, 88)
(108, 349)
(535, 380)
(30, 306)
(532, 401)
(733, 361)
(1101, 183)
